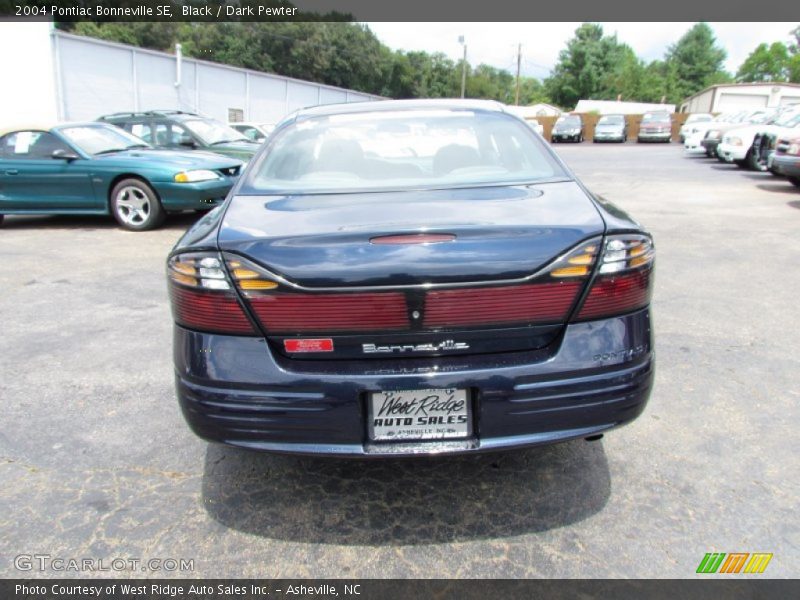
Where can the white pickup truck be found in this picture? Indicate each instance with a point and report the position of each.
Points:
(738, 145)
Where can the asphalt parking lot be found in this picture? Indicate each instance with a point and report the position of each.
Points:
(96, 461)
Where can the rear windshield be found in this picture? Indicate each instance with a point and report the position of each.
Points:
(395, 150)
(211, 132)
(656, 118)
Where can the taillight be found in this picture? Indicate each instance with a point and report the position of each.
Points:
(202, 297)
(548, 299)
(281, 311)
(624, 278)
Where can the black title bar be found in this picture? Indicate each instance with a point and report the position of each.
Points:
(408, 10)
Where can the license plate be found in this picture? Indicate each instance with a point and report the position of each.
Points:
(419, 415)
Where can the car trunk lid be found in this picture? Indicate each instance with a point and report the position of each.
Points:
(413, 274)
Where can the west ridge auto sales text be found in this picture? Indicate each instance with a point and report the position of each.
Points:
(170, 590)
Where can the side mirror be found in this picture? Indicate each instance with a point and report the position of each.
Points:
(187, 142)
(62, 154)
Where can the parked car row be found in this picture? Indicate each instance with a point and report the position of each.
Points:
(761, 140)
(136, 166)
(654, 127)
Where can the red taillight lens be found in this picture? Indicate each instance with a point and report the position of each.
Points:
(616, 294)
(209, 311)
(624, 280)
(202, 297)
(540, 303)
(292, 313)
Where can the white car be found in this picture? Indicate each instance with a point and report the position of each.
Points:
(255, 132)
(536, 126)
(712, 131)
(693, 143)
(522, 114)
(693, 119)
(737, 143)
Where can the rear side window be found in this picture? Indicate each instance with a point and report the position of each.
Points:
(141, 130)
(30, 145)
(656, 118)
(401, 150)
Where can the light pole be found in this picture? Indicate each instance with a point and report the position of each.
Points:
(463, 66)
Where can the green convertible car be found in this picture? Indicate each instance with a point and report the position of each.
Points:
(95, 168)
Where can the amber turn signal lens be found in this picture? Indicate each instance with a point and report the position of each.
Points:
(257, 284)
(570, 272)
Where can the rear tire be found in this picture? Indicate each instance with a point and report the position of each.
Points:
(1, 219)
(136, 206)
(795, 181)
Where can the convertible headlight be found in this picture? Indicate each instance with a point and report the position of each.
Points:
(794, 148)
(195, 176)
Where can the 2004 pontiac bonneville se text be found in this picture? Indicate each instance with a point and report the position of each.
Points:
(410, 277)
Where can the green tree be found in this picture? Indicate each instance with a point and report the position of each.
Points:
(794, 56)
(693, 63)
(592, 65)
(766, 63)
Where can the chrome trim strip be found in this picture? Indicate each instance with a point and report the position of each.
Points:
(421, 286)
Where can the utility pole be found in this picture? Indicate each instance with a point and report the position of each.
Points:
(519, 60)
(463, 66)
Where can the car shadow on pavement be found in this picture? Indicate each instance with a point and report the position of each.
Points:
(181, 221)
(405, 501)
(784, 187)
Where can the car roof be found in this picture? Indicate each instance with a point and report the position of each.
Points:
(48, 126)
(325, 110)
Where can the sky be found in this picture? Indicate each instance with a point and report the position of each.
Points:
(496, 43)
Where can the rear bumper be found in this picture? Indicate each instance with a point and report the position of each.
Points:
(609, 137)
(693, 145)
(644, 136)
(232, 390)
(786, 165)
(564, 137)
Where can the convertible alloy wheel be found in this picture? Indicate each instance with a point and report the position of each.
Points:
(135, 205)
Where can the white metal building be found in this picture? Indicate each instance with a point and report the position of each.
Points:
(540, 110)
(739, 96)
(612, 107)
(58, 76)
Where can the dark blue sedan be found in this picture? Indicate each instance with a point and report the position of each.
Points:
(410, 277)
